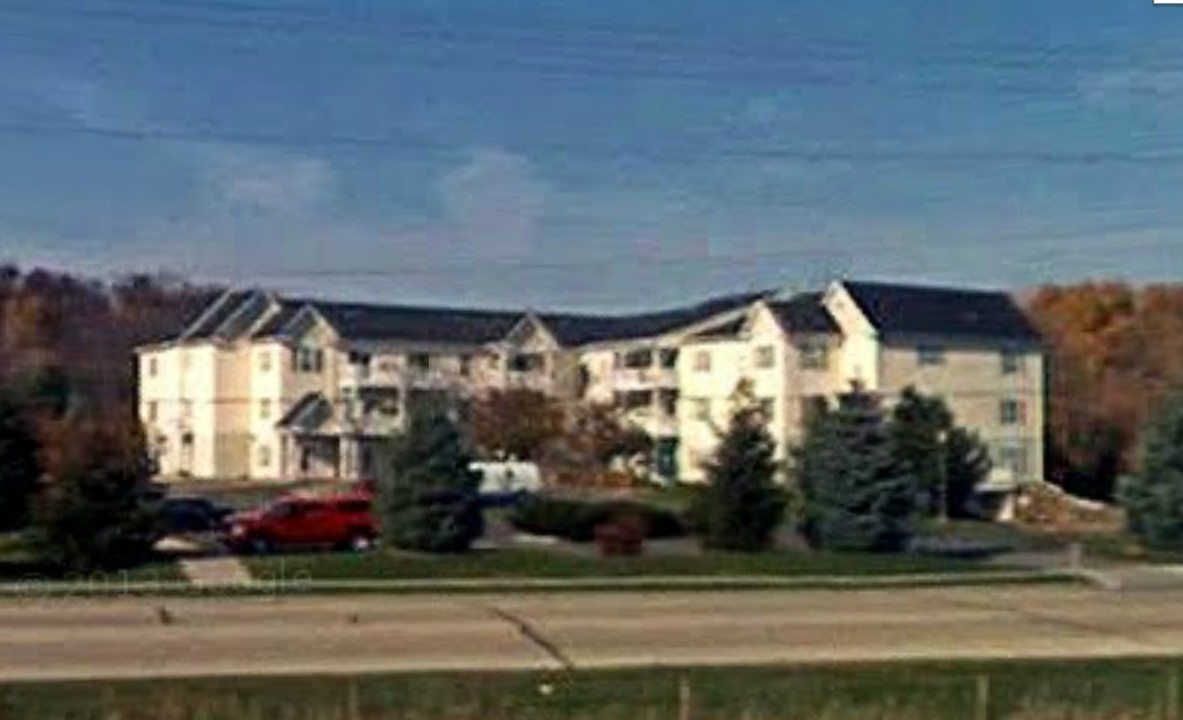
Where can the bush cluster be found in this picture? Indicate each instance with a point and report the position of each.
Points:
(577, 520)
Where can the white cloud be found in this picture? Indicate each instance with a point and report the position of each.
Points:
(234, 178)
(496, 199)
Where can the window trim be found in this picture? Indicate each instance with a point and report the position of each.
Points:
(702, 361)
(765, 357)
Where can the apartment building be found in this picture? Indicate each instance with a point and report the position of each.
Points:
(264, 387)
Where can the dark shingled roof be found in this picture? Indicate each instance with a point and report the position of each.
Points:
(204, 328)
(274, 327)
(918, 310)
(573, 330)
(803, 313)
(356, 321)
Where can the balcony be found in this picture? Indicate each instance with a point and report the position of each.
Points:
(643, 378)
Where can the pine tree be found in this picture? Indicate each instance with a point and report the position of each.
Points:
(918, 427)
(742, 507)
(967, 465)
(1153, 497)
(855, 495)
(429, 501)
(20, 469)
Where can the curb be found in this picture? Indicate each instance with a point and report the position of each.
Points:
(303, 586)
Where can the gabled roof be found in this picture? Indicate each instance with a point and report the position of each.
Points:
(276, 325)
(310, 414)
(803, 314)
(572, 330)
(206, 324)
(936, 311)
(356, 321)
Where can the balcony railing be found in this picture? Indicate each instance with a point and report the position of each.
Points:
(645, 377)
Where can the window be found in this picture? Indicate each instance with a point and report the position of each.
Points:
(702, 408)
(635, 399)
(152, 367)
(527, 362)
(638, 359)
(265, 361)
(767, 409)
(186, 409)
(419, 362)
(308, 360)
(668, 399)
(1012, 459)
(265, 410)
(813, 354)
(669, 358)
(465, 365)
(359, 358)
(702, 361)
(153, 411)
(1012, 412)
(765, 356)
(930, 355)
(1012, 362)
(264, 456)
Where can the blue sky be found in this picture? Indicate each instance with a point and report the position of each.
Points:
(592, 155)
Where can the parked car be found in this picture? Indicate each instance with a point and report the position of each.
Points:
(343, 521)
(186, 515)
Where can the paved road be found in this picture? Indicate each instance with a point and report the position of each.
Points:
(128, 637)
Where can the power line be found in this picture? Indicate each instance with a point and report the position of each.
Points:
(413, 143)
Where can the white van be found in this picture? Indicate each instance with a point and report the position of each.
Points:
(507, 482)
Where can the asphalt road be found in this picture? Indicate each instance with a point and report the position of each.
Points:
(130, 637)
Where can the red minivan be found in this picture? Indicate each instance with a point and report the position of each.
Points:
(344, 521)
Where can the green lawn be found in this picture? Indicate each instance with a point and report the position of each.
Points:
(1118, 690)
(545, 563)
(20, 564)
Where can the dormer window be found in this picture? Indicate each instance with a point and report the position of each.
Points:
(308, 360)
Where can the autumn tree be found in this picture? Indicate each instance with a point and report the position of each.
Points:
(517, 423)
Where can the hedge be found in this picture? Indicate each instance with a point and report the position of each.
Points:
(576, 520)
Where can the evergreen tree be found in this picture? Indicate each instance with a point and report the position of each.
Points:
(20, 469)
(429, 501)
(1153, 497)
(918, 427)
(95, 514)
(741, 507)
(855, 495)
(967, 465)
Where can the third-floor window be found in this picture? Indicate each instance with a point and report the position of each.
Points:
(765, 356)
(419, 362)
(1012, 412)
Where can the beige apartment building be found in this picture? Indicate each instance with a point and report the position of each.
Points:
(264, 387)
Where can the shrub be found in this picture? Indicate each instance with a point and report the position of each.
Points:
(95, 514)
(576, 520)
(622, 536)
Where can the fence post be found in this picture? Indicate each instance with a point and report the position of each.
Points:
(982, 697)
(685, 700)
